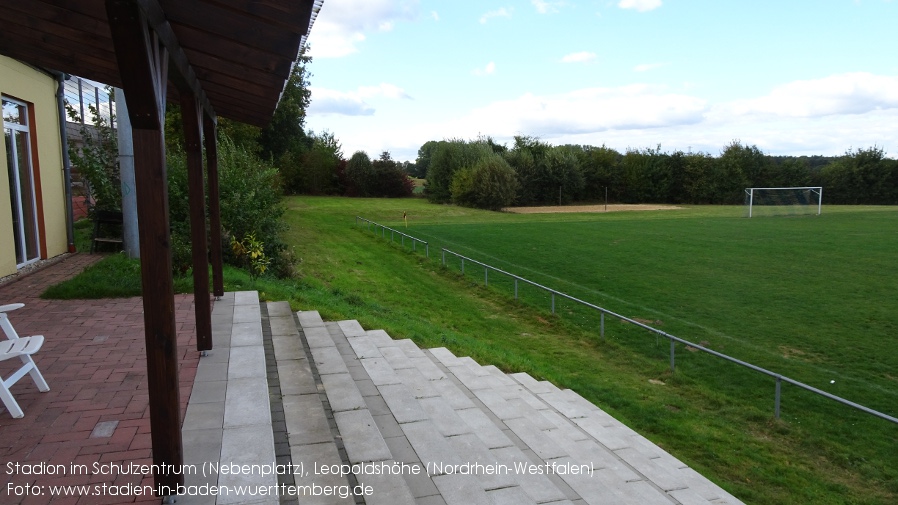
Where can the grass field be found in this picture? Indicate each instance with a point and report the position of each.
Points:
(808, 297)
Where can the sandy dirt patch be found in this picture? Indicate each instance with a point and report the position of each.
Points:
(588, 208)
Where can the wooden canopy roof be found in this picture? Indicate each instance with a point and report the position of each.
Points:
(235, 55)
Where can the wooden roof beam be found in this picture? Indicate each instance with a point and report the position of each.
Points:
(184, 75)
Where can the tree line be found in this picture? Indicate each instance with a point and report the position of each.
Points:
(482, 173)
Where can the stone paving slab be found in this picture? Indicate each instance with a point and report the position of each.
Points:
(361, 437)
(351, 328)
(328, 360)
(306, 420)
(309, 319)
(389, 490)
(342, 392)
(310, 456)
(318, 336)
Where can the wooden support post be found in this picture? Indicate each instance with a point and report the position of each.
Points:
(190, 116)
(143, 66)
(211, 139)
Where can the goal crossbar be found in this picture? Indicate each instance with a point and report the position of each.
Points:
(817, 190)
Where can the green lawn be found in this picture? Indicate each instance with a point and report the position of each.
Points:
(807, 297)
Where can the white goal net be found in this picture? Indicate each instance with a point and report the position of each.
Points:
(783, 201)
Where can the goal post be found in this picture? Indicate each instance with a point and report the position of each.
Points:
(783, 201)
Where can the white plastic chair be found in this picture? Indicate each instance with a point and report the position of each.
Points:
(22, 348)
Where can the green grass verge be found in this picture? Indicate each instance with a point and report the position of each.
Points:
(717, 420)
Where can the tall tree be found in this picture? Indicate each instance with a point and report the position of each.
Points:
(285, 133)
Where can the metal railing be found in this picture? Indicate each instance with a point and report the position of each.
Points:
(673, 339)
(383, 231)
(82, 95)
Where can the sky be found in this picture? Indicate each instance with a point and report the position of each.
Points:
(793, 77)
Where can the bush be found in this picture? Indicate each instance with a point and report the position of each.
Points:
(489, 184)
(250, 205)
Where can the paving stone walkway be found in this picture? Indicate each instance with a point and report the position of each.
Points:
(96, 412)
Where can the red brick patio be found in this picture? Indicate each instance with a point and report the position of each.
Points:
(94, 362)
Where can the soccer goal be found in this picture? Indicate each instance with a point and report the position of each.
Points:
(783, 201)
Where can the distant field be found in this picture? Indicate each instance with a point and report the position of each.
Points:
(808, 297)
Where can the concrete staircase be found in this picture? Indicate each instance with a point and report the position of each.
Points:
(476, 434)
(414, 426)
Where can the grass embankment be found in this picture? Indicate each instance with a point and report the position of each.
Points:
(723, 428)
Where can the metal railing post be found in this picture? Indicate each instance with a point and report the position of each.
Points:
(427, 249)
(515, 288)
(602, 326)
(463, 266)
(672, 344)
(553, 303)
(486, 276)
(776, 400)
(444, 257)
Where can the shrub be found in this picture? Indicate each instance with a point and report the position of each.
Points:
(250, 205)
(489, 184)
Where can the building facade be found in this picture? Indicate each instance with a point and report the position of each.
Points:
(32, 186)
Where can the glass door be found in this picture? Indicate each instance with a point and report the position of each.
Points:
(21, 183)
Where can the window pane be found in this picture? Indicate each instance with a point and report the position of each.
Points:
(26, 189)
(13, 192)
(13, 113)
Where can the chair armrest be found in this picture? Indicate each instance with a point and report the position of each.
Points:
(11, 306)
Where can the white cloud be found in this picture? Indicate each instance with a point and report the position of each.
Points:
(639, 5)
(548, 7)
(352, 103)
(645, 67)
(435, 15)
(489, 69)
(330, 101)
(588, 110)
(342, 24)
(580, 57)
(384, 90)
(499, 13)
(852, 93)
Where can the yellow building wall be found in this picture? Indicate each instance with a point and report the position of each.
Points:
(27, 84)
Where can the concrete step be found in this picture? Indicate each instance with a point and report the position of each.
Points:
(311, 440)
(442, 428)
(228, 419)
(349, 394)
